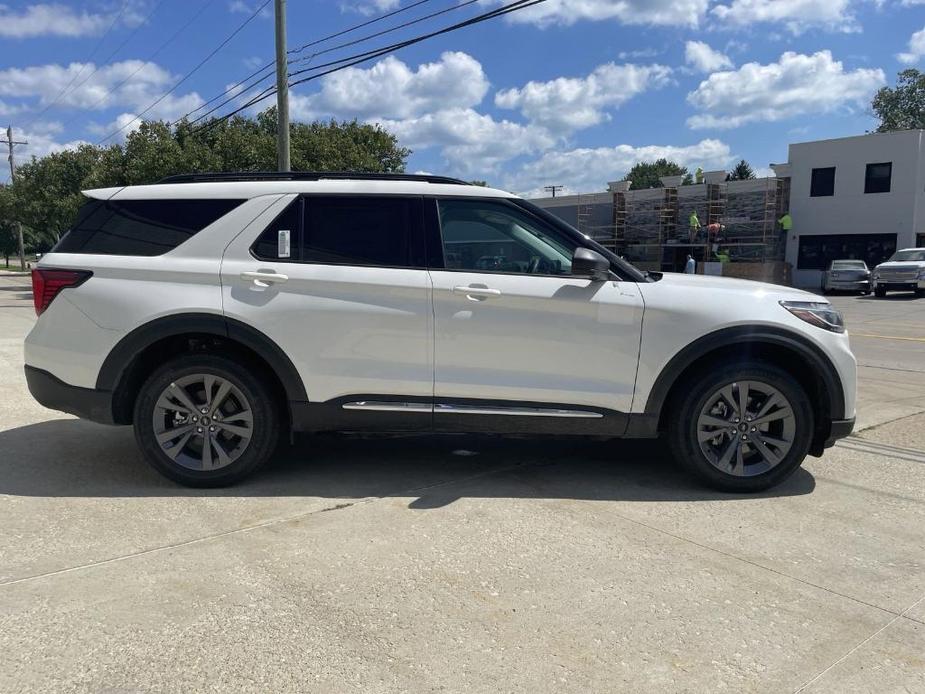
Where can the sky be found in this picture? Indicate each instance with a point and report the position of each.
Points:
(568, 92)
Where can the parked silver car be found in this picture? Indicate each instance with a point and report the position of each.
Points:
(847, 276)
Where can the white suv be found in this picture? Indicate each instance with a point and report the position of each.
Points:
(219, 313)
(904, 271)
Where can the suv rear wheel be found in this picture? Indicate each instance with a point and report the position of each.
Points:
(205, 421)
(742, 428)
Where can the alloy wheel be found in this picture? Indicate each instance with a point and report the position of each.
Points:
(203, 422)
(746, 428)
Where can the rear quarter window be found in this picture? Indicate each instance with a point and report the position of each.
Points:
(140, 227)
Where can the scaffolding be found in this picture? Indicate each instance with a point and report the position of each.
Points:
(739, 220)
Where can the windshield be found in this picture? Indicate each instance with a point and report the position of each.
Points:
(913, 254)
(848, 265)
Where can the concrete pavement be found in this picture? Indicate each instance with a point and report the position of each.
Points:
(465, 563)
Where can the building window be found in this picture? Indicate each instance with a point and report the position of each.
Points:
(823, 182)
(877, 178)
(817, 251)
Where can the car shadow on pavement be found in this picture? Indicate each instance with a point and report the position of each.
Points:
(905, 296)
(73, 458)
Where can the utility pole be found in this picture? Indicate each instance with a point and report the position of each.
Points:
(10, 143)
(553, 189)
(282, 90)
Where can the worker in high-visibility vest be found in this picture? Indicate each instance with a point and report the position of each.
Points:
(694, 226)
(786, 222)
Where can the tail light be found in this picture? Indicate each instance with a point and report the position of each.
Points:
(48, 283)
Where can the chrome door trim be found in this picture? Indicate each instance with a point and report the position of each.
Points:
(386, 406)
(449, 408)
(445, 408)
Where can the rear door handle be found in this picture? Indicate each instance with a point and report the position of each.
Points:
(264, 279)
(477, 293)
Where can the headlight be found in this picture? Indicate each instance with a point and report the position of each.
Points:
(817, 313)
(922, 274)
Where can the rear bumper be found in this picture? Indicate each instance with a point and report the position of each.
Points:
(856, 285)
(55, 394)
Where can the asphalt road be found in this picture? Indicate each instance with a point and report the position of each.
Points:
(466, 564)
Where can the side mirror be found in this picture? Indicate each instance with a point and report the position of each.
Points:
(588, 263)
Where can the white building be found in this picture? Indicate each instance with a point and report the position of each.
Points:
(854, 197)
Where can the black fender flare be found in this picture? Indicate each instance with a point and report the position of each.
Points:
(746, 336)
(129, 347)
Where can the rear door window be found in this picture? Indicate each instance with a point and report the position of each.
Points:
(379, 231)
(140, 227)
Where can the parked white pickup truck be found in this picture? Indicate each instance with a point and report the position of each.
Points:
(904, 271)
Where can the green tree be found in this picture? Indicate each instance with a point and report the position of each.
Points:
(741, 172)
(901, 107)
(646, 174)
(483, 184)
(47, 191)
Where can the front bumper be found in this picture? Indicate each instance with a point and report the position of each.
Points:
(909, 286)
(55, 394)
(838, 429)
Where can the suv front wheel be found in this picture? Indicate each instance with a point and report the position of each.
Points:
(742, 428)
(206, 421)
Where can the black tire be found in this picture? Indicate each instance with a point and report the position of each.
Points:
(919, 293)
(879, 293)
(695, 395)
(264, 412)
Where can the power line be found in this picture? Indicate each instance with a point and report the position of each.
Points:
(83, 65)
(269, 69)
(349, 61)
(190, 73)
(122, 45)
(456, 6)
(375, 53)
(153, 55)
(359, 26)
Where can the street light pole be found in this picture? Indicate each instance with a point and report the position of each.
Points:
(282, 90)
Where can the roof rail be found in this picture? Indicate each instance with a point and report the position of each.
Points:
(307, 176)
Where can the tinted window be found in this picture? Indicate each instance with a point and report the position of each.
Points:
(823, 182)
(877, 178)
(817, 252)
(271, 245)
(485, 236)
(349, 230)
(140, 227)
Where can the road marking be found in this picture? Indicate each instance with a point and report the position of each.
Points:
(889, 337)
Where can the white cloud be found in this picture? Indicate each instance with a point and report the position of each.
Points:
(915, 48)
(49, 20)
(587, 170)
(371, 7)
(656, 12)
(795, 85)
(796, 15)
(143, 83)
(242, 7)
(638, 54)
(472, 143)
(701, 57)
(390, 89)
(571, 103)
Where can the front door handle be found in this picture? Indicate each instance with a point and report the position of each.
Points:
(477, 293)
(264, 279)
